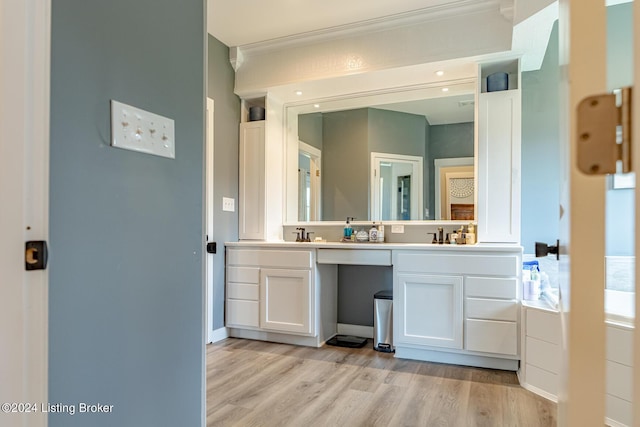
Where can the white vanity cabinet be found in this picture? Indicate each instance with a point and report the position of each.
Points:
(275, 295)
(252, 189)
(499, 166)
(261, 173)
(459, 306)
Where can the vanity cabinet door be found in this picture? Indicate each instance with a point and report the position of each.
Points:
(286, 301)
(429, 310)
(499, 167)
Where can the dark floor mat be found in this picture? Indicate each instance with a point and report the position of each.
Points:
(347, 341)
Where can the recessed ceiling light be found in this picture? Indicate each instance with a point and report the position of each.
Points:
(445, 89)
(316, 105)
(439, 73)
(298, 92)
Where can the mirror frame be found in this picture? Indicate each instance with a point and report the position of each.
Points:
(352, 101)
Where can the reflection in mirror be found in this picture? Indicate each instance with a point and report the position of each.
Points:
(309, 182)
(436, 125)
(454, 189)
(396, 183)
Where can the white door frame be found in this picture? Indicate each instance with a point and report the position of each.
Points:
(209, 212)
(25, 35)
(315, 156)
(417, 189)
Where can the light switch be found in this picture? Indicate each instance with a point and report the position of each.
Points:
(228, 204)
(139, 130)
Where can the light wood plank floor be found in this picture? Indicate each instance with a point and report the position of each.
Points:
(253, 383)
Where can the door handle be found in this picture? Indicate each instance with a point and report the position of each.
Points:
(543, 250)
(211, 247)
(35, 255)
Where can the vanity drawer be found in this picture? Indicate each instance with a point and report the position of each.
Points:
(420, 262)
(492, 336)
(246, 291)
(243, 313)
(243, 274)
(270, 258)
(478, 308)
(491, 287)
(355, 256)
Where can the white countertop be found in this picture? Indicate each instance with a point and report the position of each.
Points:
(479, 247)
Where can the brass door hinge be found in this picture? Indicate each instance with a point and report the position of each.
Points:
(604, 133)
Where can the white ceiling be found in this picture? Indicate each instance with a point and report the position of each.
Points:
(241, 22)
(438, 111)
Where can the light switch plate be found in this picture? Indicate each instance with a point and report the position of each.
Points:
(228, 204)
(398, 229)
(139, 130)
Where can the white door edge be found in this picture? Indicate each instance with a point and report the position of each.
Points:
(25, 39)
(209, 202)
(581, 394)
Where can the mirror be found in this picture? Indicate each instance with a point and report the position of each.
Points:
(375, 157)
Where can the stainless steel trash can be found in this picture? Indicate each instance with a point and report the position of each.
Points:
(383, 321)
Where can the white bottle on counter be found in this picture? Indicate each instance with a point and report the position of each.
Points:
(381, 233)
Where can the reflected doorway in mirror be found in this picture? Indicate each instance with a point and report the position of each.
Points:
(458, 168)
(396, 187)
(309, 183)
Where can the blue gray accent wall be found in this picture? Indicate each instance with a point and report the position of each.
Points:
(126, 299)
(540, 150)
(221, 78)
(620, 211)
(540, 143)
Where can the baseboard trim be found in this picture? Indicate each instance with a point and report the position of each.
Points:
(219, 334)
(540, 392)
(283, 338)
(441, 356)
(356, 330)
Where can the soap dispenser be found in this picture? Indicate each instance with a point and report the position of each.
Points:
(348, 231)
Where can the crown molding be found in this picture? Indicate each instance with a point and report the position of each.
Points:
(455, 8)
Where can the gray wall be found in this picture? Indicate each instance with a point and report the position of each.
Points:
(396, 133)
(540, 133)
(345, 183)
(126, 274)
(540, 149)
(620, 203)
(310, 129)
(357, 285)
(220, 76)
(447, 141)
